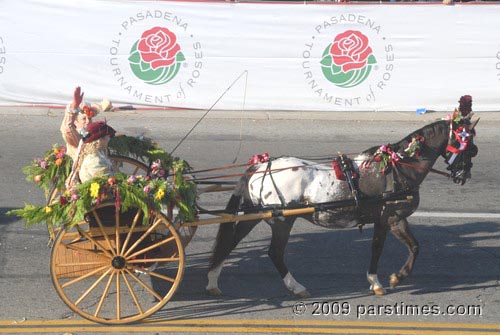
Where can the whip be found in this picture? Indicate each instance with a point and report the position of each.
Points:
(208, 111)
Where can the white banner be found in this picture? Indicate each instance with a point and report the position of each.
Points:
(324, 56)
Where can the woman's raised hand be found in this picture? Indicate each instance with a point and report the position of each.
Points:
(77, 97)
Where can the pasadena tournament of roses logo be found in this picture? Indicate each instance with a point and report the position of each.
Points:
(348, 61)
(155, 58)
(355, 61)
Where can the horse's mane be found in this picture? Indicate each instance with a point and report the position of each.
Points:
(427, 131)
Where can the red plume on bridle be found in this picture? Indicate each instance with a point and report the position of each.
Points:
(465, 106)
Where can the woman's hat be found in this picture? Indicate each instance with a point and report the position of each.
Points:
(97, 130)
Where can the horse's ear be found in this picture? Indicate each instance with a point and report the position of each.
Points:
(475, 123)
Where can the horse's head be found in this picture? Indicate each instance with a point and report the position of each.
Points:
(461, 149)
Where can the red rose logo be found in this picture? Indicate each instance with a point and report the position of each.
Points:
(158, 46)
(348, 61)
(350, 50)
(156, 57)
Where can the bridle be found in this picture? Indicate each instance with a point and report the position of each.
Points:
(460, 149)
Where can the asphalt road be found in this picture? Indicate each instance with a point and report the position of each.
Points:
(458, 266)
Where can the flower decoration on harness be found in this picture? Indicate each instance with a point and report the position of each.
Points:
(256, 159)
(386, 155)
(414, 147)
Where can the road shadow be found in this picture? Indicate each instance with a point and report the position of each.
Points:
(453, 258)
(7, 219)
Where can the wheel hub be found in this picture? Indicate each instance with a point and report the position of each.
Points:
(118, 262)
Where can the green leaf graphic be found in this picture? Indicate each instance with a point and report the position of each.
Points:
(371, 60)
(180, 57)
(135, 58)
(326, 61)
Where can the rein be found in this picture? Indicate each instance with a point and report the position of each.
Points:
(425, 169)
(248, 174)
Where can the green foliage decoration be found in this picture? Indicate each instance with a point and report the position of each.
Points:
(151, 192)
(51, 170)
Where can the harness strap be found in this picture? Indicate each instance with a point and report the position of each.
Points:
(350, 175)
(268, 171)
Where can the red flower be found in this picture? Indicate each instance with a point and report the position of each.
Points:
(158, 47)
(350, 50)
(88, 111)
(111, 181)
(63, 200)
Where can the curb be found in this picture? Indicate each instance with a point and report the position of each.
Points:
(430, 116)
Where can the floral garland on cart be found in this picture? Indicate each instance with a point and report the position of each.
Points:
(151, 192)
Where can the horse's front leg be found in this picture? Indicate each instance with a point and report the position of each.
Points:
(401, 230)
(379, 235)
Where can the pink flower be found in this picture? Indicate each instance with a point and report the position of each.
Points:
(156, 165)
(131, 179)
(158, 47)
(161, 173)
(383, 148)
(60, 154)
(43, 164)
(350, 50)
(146, 189)
(395, 156)
(74, 197)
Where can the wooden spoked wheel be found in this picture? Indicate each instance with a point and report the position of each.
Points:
(113, 269)
(128, 165)
(123, 164)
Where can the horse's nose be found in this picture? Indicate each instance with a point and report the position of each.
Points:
(472, 152)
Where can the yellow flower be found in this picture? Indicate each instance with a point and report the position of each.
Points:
(160, 194)
(67, 193)
(94, 190)
(56, 151)
(48, 209)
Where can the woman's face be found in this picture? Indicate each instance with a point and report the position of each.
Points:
(82, 120)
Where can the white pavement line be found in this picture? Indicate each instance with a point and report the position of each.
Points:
(457, 215)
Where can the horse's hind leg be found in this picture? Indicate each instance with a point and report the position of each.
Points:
(401, 230)
(228, 237)
(281, 232)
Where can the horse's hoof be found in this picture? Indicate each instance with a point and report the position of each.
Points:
(214, 292)
(304, 294)
(379, 291)
(394, 280)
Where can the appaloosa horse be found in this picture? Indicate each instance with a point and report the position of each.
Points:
(382, 184)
